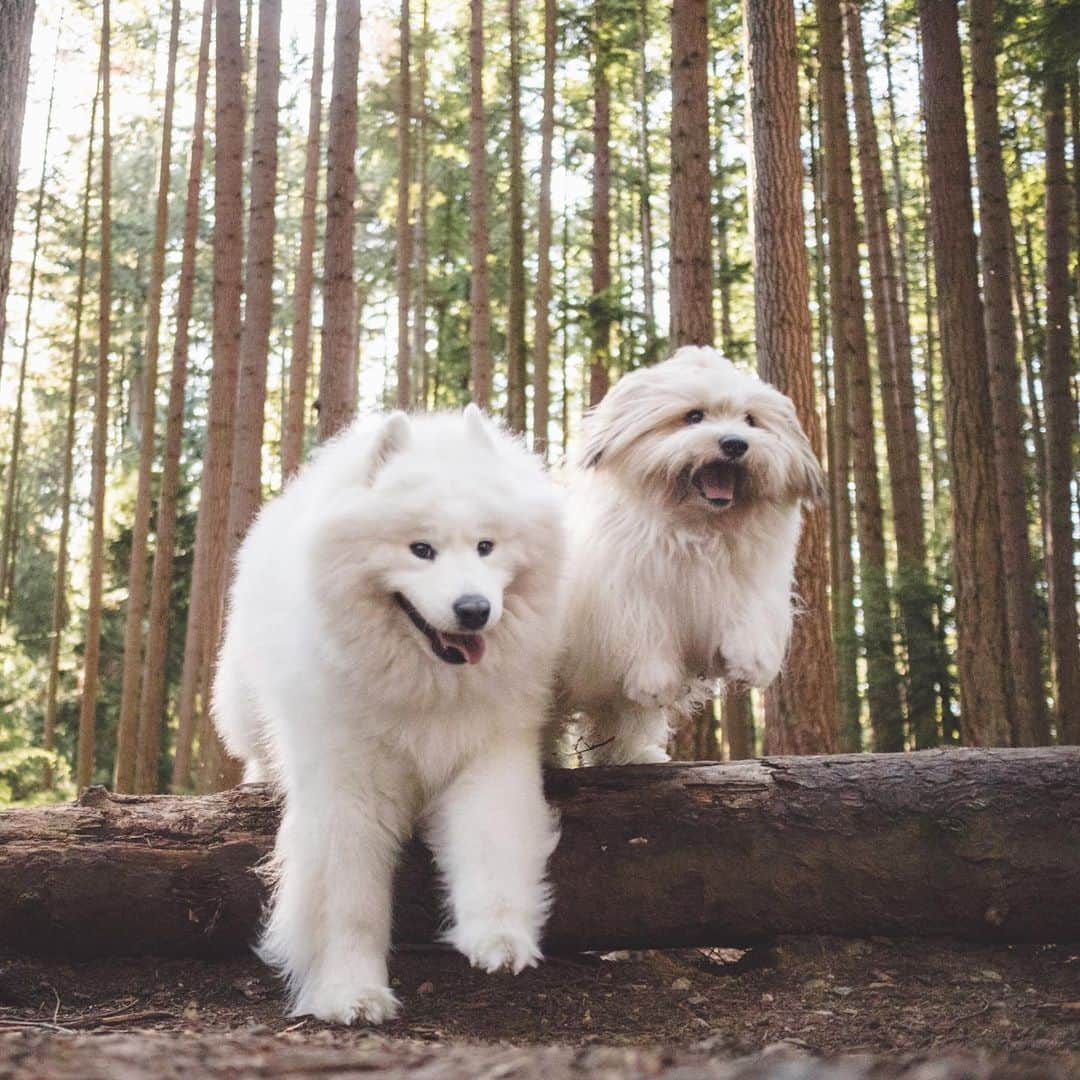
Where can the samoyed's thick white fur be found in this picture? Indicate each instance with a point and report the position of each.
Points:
(355, 675)
(685, 515)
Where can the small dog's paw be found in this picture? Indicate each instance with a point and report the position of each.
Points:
(645, 755)
(655, 684)
(339, 1003)
(498, 948)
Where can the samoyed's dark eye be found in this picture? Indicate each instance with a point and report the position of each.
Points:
(751, 422)
(485, 547)
(422, 550)
(694, 416)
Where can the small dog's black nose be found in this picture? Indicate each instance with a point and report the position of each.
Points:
(734, 447)
(472, 611)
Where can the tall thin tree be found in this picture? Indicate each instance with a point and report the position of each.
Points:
(337, 370)
(600, 274)
(800, 713)
(127, 725)
(152, 697)
(516, 373)
(292, 442)
(1030, 722)
(84, 768)
(479, 242)
(404, 229)
(422, 361)
(981, 648)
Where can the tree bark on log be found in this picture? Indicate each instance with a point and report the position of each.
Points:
(976, 844)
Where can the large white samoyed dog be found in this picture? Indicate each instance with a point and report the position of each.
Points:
(685, 515)
(391, 636)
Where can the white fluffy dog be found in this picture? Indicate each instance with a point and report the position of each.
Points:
(685, 516)
(391, 640)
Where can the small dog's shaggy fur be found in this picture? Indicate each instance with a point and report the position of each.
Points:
(390, 645)
(684, 520)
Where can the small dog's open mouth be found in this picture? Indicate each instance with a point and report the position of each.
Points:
(717, 482)
(451, 648)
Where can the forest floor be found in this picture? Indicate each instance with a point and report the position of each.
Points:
(800, 1008)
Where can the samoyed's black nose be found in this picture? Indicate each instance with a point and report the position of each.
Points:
(472, 611)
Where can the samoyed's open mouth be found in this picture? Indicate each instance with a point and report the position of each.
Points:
(451, 648)
(718, 482)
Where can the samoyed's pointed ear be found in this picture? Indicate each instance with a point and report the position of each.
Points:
(392, 438)
(477, 426)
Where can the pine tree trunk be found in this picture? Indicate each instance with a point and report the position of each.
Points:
(691, 274)
(211, 530)
(737, 722)
(292, 443)
(16, 31)
(60, 602)
(337, 370)
(420, 332)
(152, 698)
(800, 712)
(84, 768)
(600, 272)
(981, 647)
(479, 286)
(1060, 420)
(645, 186)
(404, 392)
(127, 725)
(1030, 723)
(891, 334)
(542, 331)
(851, 347)
(516, 374)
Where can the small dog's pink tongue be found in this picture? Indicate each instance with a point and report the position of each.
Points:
(471, 646)
(718, 481)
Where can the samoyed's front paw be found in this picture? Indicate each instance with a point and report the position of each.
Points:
(655, 683)
(344, 1003)
(497, 948)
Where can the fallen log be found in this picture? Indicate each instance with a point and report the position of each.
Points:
(977, 844)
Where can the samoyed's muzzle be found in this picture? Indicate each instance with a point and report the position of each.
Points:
(450, 648)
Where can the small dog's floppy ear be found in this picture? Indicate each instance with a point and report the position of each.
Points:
(808, 481)
(597, 436)
(477, 427)
(392, 437)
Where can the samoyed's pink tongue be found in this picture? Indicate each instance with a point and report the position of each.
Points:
(718, 481)
(471, 646)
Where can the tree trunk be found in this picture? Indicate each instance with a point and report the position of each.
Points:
(901, 436)
(479, 286)
(403, 256)
(16, 31)
(699, 854)
(850, 346)
(152, 699)
(645, 186)
(737, 723)
(981, 647)
(1060, 420)
(84, 768)
(517, 374)
(600, 273)
(542, 331)
(422, 362)
(1029, 720)
(337, 369)
(292, 443)
(800, 713)
(60, 601)
(127, 725)
(691, 275)
(211, 531)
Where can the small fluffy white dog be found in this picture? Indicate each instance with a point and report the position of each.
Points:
(391, 640)
(684, 520)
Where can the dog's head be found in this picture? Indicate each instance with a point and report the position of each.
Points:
(701, 435)
(449, 526)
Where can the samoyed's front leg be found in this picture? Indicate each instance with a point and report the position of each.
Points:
(329, 926)
(492, 833)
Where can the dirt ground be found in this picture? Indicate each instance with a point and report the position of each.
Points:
(798, 1009)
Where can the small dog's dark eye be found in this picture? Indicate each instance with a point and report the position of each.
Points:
(695, 416)
(485, 547)
(422, 550)
(751, 422)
